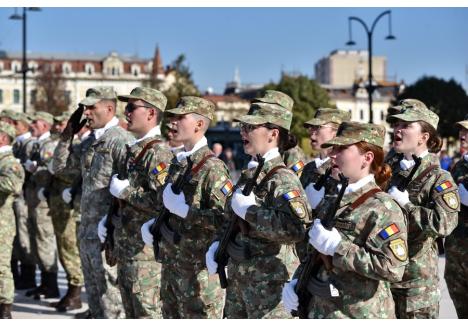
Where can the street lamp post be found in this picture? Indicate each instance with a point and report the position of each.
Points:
(24, 64)
(370, 87)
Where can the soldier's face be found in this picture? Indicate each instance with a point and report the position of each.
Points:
(39, 127)
(99, 114)
(351, 162)
(184, 127)
(321, 134)
(463, 136)
(408, 137)
(139, 116)
(7, 120)
(21, 127)
(258, 139)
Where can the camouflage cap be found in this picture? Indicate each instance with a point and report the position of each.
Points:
(96, 94)
(149, 95)
(463, 124)
(261, 113)
(7, 113)
(20, 116)
(194, 104)
(42, 115)
(414, 110)
(326, 115)
(8, 129)
(354, 132)
(63, 117)
(276, 97)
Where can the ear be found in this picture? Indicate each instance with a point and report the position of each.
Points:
(368, 158)
(274, 134)
(425, 137)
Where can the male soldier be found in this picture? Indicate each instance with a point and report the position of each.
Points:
(294, 158)
(149, 158)
(197, 212)
(22, 147)
(11, 181)
(5, 116)
(35, 193)
(101, 155)
(174, 145)
(65, 228)
(456, 244)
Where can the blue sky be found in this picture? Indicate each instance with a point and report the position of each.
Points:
(260, 41)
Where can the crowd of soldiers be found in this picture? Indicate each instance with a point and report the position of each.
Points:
(154, 227)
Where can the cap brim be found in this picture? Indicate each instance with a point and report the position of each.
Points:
(315, 122)
(252, 119)
(177, 111)
(340, 141)
(462, 124)
(125, 98)
(403, 117)
(88, 101)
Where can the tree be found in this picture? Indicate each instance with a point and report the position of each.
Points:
(50, 93)
(307, 95)
(446, 98)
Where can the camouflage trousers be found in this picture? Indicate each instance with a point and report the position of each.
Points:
(22, 244)
(7, 234)
(456, 273)
(65, 233)
(402, 311)
(139, 283)
(42, 235)
(104, 299)
(188, 292)
(254, 296)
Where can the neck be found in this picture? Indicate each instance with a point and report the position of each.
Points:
(417, 151)
(324, 153)
(142, 133)
(190, 144)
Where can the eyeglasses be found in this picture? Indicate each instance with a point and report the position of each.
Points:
(130, 107)
(313, 129)
(246, 127)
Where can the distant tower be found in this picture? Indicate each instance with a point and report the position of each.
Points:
(237, 79)
(158, 69)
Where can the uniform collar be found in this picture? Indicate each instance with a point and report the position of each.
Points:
(319, 162)
(268, 156)
(465, 157)
(23, 137)
(183, 155)
(156, 131)
(408, 164)
(5, 149)
(44, 136)
(112, 123)
(353, 187)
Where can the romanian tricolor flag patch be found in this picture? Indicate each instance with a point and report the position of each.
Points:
(159, 168)
(292, 194)
(389, 231)
(227, 188)
(443, 186)
(298, 166)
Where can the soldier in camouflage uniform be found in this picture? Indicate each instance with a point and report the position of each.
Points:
(431, 204)
(275, 213)
(139, 273)
(321, 128)
(11, 181)
(38, 211)
(368, 243)
(456, 244)
(197, 212)
(101, 155)
(65, 228)
(22, 147)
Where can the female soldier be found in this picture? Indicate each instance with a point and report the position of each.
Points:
(368, 243)
(274, 213)
(456, 244)
(430, 202)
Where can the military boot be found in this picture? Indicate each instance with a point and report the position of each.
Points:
(83, 315)
(28, 277)
(5, 311)
(71, 300)
(15, 271)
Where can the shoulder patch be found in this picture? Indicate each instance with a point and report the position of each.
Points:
(226, 189)
(444, 186)
(298, 166)
(160, 173)
(398, 249)
(159, 168)
(290, 195)
(298, 208)
(451, 199)
(390, 230)
(48, 154)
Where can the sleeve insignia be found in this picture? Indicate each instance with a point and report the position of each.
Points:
(451, 200)
(47, 155)
(298, 208)
(389, 231)
(298, 166)
(161, 177)
(444, 186)
(226, 189)
(159, 168)
(291, 195)
(398, 248)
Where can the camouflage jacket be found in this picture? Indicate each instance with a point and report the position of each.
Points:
(22, 150)
(295, 159)
(206, 200)
(432, 212)
(42, 152)
(11, 181)
(372, 253)
(146, 175)
(460, 175)
(277, 220)
(99, 159)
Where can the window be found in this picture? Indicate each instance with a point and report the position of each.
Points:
(16, 96)
(382, 116)
(361, 114)
(33, 96)
(89, 67)
(66, 68)
(1, 95)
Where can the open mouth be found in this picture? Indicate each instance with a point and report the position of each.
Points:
(245, 141)
(397, 138)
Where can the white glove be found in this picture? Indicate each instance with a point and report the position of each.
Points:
(146, 234)
(101, 229)
(463, 194)
(210, 258)
(41, 195)
(66, 195)
(117, 186)
(30, 166)
(241, 203)
(402, 197)
(50, 167)
(323, 240)
(289, 296)
(175, 203)
(314, 196)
